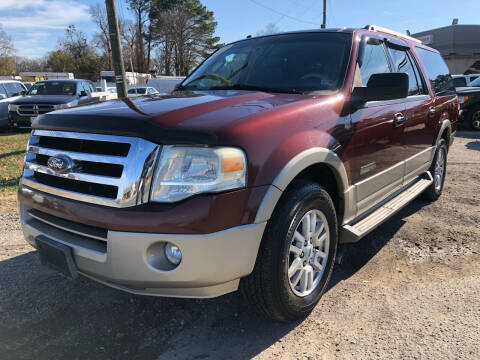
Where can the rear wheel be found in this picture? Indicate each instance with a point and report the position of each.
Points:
(438, 169)
(297, 254)
(475, 118)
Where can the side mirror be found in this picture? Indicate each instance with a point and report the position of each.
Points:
(23, 92)
(83, 93)
(385, 86)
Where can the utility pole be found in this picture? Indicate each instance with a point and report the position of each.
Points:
(324, 24)
(117, 57)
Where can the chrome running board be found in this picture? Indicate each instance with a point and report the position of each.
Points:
(359, 228)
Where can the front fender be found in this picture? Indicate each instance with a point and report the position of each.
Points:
(303, 158)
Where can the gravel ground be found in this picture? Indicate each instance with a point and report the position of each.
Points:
(410, 289)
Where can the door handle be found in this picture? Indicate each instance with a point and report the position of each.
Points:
(431, 111)
(398, 119)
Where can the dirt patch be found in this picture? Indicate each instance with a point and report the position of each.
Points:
(8, 201)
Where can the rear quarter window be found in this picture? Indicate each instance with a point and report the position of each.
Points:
(459, 82)
(437, 71)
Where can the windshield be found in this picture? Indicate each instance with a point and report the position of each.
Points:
(292, 63)
(475, 82)
(53, 88)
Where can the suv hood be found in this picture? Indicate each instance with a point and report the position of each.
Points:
(182, 117)
(45, 99)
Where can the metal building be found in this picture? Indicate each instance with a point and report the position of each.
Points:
(458, 44)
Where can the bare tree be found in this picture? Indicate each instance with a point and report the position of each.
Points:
(140, 9)
(7, 53)
(128, 31)
(26, 64)
(102, 38)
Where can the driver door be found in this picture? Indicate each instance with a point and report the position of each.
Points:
(375, 148)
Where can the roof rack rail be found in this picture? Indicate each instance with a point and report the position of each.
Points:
(391, 32)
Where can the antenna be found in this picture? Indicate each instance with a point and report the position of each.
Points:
(324, 24)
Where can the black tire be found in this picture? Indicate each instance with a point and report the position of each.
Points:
(433, 192)
(474, 118)
(268, 287)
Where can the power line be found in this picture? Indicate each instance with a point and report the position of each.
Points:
(285, 15)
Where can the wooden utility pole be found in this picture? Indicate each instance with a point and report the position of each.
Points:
(117, 56)
(324, 24)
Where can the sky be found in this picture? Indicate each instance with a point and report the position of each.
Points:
(36, 25)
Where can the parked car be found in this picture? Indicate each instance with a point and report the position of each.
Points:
(48, 95)
(469, 98)
(464, 80)
(271, 153)
(28, 84)
(10, 90)
(142, 90)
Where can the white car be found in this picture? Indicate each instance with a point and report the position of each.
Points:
(10, 90)
(464, 80)
(110, 93)
(144, 90)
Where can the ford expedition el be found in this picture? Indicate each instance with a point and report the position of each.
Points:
(248, 176)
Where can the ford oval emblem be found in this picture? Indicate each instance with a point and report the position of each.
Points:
(61, 163)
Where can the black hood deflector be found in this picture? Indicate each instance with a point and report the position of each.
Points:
(123, 126)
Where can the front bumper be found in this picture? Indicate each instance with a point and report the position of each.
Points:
(212, 264)
(18, 121)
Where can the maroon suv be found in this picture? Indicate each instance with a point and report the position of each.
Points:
(271, 153)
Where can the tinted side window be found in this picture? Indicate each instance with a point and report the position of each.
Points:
(3, 91)
(437, 70)
(372, 61)
(473, 78)
(19, 87)
(80, 87)
(89, 87)
(402, 63)
(459, 82)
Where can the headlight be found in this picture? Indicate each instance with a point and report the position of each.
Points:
(61, 106)
(12, 107)
(183, 171)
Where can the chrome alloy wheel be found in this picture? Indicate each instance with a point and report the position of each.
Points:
(308, 253)
(476, 120)
(439, 171)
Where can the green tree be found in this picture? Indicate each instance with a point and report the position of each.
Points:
(60, 61)
(76, 55)
(184, 31)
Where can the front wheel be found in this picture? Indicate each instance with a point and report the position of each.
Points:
(297, 254)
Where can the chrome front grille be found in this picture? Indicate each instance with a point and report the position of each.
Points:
(109, 170)
(34, 109)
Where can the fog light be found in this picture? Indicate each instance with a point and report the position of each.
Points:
(173, 253)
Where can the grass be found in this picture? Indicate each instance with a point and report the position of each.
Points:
(12, 152)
